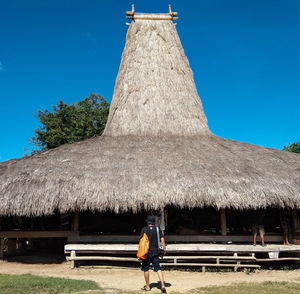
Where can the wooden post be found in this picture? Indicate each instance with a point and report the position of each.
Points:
(1, 241)
(294, 218)
(76, 221)
(1, 248)
(295, 221)
(223, 222)
(73, 263)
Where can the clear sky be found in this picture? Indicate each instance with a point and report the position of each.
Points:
(245, 56)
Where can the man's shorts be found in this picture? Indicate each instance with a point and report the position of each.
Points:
(258, 229)
(154, 259)
(285, 224)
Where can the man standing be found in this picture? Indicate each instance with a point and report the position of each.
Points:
(161, 219)
(258, 216)
(285, 225)
(153, 254)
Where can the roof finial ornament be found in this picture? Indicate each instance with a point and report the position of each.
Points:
(130, 14)
(172, 13)
(151, 16)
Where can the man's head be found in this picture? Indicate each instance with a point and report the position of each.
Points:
(150, 220)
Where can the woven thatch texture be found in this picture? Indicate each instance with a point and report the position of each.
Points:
(123, 173)
(155, 93)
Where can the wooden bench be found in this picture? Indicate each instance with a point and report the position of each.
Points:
(105, 251)
(217, 261)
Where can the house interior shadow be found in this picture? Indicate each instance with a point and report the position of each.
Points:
(37, 258)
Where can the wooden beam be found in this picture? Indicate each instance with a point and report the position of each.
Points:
(144, 16)
(223, 222)
(132, 10)
(295, 220)
(213, 265)
(73, 255)
(220, 257)
(1, 241)
(172, 13)
(1, 248)
(277, 238)
(296, 227)
(76, 221)
(278, 259)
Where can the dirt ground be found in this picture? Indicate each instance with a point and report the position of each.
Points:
(131, 279)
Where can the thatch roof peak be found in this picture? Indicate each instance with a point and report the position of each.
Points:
(172, 15)
(155, 93)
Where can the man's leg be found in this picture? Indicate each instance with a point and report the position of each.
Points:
(161, 278)
(145, 269)
(286, 237)
(156, 267)
(262, 237)
(146, 276)
(254, 239)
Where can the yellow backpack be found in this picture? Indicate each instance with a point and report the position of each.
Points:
(143, 247)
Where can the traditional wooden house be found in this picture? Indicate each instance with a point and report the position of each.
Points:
(157, 150)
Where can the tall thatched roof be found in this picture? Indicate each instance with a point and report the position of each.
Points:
(155, 93)
(157, 148)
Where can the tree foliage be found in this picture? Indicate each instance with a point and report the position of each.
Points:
(71, 123)
(293, 147)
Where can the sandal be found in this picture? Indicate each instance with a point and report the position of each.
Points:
(163, 290)
(145, 289)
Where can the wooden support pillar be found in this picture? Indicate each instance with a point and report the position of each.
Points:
(73, 262)
(76, 221)
(1, 241)
(295, 220)
(296, 227)
(223, 222)
(1, 248)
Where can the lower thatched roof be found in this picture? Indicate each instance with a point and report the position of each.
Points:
(122, 173)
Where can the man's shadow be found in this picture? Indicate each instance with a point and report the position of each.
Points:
(158, 285)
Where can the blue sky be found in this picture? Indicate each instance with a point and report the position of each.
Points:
(245, 56)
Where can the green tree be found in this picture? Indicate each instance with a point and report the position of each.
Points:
(293, 147)
(71, 123)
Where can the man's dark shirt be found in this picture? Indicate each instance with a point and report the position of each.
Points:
(257, 217)
(152, 236)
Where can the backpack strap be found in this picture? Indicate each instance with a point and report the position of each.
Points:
(158, 239)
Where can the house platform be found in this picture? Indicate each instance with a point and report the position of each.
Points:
(203, 255)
